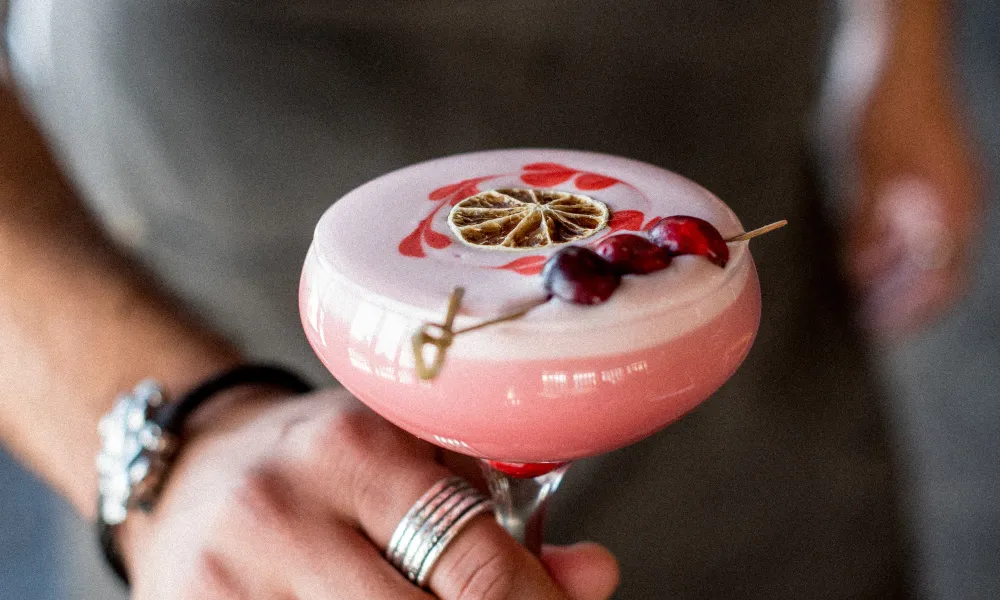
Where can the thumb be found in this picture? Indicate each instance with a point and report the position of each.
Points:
(585, 571)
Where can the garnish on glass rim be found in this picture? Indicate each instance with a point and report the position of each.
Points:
(441, 335)
(521, 218)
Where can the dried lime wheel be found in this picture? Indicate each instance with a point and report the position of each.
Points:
(526, 219)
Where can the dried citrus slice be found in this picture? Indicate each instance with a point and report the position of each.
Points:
(526, 219)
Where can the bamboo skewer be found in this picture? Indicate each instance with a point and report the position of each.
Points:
(759, 231)
(441, 342)
(446, 332)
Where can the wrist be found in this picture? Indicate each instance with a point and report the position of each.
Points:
(207, 432)
(147, 433)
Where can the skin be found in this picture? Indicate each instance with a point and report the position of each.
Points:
(277, 497)
(915, 213)
(311, 491)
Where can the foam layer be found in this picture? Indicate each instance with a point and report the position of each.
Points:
(383, 260)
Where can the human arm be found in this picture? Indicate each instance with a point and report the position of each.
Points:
(914, 209)
(79, 322)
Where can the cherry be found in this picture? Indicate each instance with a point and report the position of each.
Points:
(682, 234)
(577, 274)
(630, 253)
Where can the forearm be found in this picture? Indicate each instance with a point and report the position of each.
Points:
(898, 49)
(911, 34)
(921, 32)
(78, 322)
(917, 90)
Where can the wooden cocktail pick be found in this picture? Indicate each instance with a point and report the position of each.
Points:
(759, 231)
(441, 335)
(442, 341)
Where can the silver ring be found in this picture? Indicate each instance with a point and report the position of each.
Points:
(402, 537)
(431, 524)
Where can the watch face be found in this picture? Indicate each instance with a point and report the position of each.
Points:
(131, 446)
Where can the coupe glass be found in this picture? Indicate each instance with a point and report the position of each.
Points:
(562, 382)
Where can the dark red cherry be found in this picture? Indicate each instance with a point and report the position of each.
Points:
(630, 253)
(577, 274)
(690, 235)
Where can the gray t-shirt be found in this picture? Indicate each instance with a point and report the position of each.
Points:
(211, 135)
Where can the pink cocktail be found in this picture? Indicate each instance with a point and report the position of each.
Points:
(562, 382)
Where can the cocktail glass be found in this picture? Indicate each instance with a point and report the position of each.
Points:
(564, 381)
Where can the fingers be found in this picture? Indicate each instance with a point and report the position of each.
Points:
(215, 581)
(485, 563)
(905, 296)
(285, 548)
(585, 571)
(373, 474)
(345, 565)
(906, 257)
(366, 470)
(391, 472)
(310, 518)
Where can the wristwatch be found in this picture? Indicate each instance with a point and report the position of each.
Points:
(135, 452)
(140, 438)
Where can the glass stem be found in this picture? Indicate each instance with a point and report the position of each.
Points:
(519, 502)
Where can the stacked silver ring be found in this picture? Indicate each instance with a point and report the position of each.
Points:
(431, 524)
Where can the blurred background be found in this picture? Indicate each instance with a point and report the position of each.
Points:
(943, 404)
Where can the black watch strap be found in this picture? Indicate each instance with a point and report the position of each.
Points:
(172, 416)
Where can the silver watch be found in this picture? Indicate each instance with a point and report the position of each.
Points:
(135, 453)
